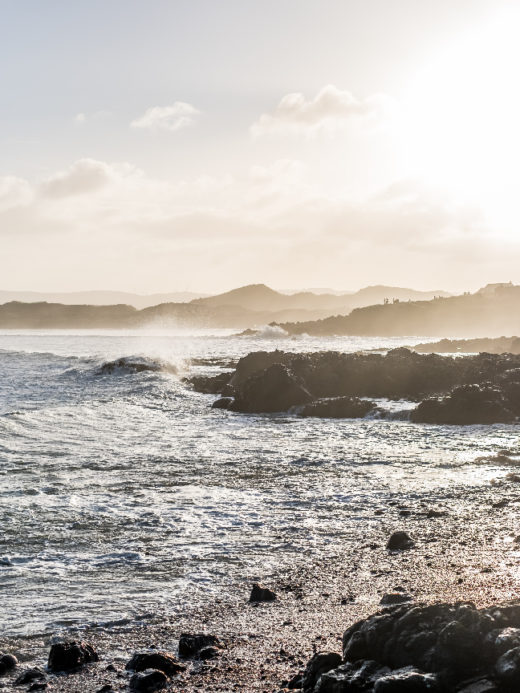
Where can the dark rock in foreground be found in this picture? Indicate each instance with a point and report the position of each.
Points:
(66, 656)
(261, 594)
(201, 645)
(439, 648)
(28, 676)
(163, 661)
(276, 388)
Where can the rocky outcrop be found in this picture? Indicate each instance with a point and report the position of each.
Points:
(474, 389)
(439, 648)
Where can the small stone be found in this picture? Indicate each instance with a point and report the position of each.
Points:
(38, 686)
(207, 653)
(191, 644)
(7, 663)
(163, 661)
(261, 594)
(28, 676)
(148, 681)
(392, 598)
(399, 541)
(65, 656)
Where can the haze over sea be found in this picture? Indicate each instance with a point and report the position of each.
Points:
(123, 495)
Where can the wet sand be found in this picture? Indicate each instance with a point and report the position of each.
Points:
(467, 554)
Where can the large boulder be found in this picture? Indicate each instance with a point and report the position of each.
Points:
(163, 661)
(275, 389)
(468, 404)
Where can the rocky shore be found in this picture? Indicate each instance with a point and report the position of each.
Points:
(461, 546)
(481, 389)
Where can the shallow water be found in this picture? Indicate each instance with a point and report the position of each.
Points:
(124, 494)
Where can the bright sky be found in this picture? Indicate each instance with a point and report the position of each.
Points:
(161, 145)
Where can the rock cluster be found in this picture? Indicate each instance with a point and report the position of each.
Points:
(420, 648)
(464, 390)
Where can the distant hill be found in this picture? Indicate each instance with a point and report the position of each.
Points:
(246, 307)
(259, 297)
(98, 298)
(492, 311)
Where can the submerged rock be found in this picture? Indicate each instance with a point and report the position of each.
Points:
(338, 408)
(164, 661)
(65, 656)
(261, 594)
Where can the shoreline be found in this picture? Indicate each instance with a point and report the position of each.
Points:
(467, 554)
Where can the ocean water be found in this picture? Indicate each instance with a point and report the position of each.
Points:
(124, 495)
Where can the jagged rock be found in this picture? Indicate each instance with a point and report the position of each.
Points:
(192, 644)
(338, 408)
(296, 682)
(148, 681)
(406, 681)
(28, 676)
(207, 653)
(65, 656)
(275, 389)
(7, 663)
(163, 661)
(319, 664)
(399, 541)
(210, 385)
(261, 594)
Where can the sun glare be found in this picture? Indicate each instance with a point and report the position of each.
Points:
(461, 119)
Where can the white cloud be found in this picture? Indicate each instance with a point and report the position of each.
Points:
(330, 107)
(84, 176)
(83, 118)
(14, 192)
(172, 118)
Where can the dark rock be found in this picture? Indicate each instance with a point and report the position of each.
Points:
(296, 682)
(191, 644)
(351, 676)
(319, 664)
(399, 541)
(504, 639)
(28, 676)
(210, 385)
(261, 594)
(467, 404)
(222, 403)
(479, 686)
(148, 681)
(274, 390)
(507, 667)
(7, 663)
(163, 661)
(38, 686)
(393, 598)
(107, 688)
(406, 681)
(65, 656)
(208, 653)
(338, 408)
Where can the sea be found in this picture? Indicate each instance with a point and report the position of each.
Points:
(124, 495)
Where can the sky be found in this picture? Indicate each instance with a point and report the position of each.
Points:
(194, 145)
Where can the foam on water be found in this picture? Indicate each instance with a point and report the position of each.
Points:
(124, 493)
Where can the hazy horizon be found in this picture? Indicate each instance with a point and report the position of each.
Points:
(191, 146)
